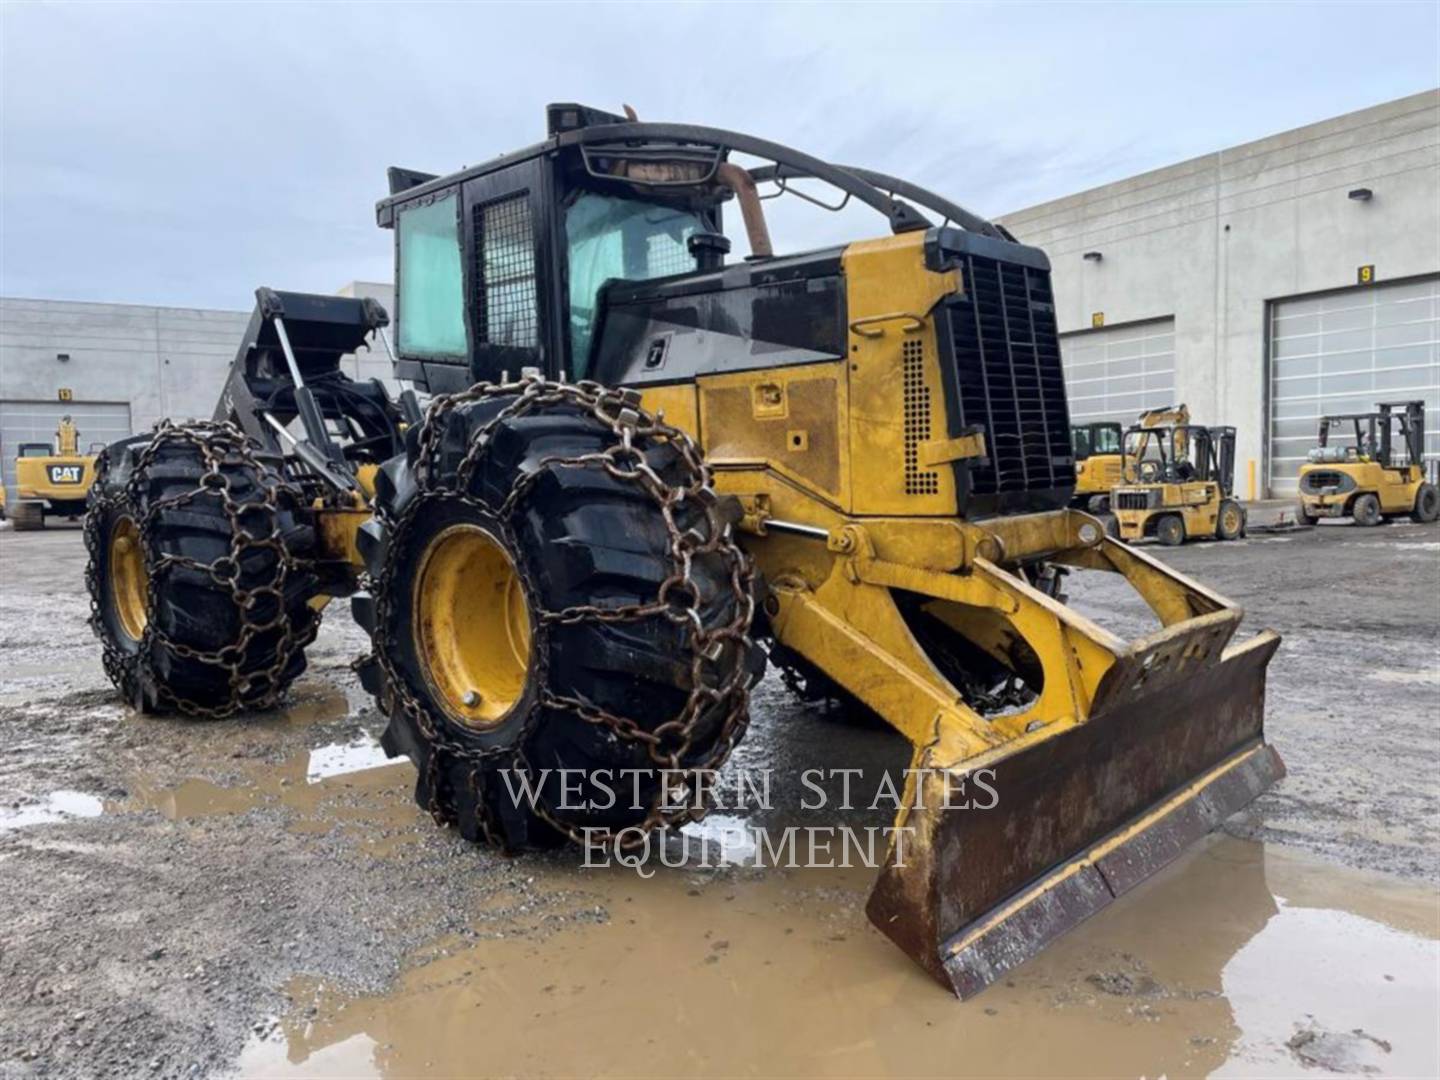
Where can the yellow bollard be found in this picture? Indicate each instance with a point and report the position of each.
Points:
(1250, 497)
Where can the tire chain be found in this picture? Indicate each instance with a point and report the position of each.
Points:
(678, 598)
(221, 445)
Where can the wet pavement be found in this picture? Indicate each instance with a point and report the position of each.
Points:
(262, 897)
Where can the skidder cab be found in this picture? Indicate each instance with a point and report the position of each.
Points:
(646, 466)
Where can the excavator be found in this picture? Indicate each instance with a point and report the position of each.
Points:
(645, 472)
(52, 480)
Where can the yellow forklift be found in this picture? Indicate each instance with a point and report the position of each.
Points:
(52, 480)
(1379, 474)
(1179, 481)
(1097, 455)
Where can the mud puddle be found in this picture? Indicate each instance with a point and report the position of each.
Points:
(1241, 959)
(347, 786)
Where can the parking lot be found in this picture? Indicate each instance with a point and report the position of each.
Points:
(262, 895)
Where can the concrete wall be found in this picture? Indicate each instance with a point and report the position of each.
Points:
(1212, 240)
(162, 361)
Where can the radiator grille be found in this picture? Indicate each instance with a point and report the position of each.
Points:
(918, 481)
(1132, 500)
(1007, 360)
(1327, 481)
(505, 274)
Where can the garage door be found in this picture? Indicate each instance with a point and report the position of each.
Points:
(1342, 353)
(36, 421)
(1119, 372)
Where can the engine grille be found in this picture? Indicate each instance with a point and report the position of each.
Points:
(1006, 355)
(1131, 500)
(1316, 481)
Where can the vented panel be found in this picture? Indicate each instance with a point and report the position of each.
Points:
(505, 307)
(918, 481)
(1006, 354)
(1132, 500)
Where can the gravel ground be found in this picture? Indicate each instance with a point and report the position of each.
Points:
(165, 880)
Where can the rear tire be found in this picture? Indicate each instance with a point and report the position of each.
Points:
(1170, 530)
(593, 693)
(1366, 510)
(1303, 517)
(201, 605)
(1427, 504)
(27, 516)
(1230, 520)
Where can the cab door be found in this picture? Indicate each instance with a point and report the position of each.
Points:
(510, 249)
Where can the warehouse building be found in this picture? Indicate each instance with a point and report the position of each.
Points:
(1264, 286)
(116, 369)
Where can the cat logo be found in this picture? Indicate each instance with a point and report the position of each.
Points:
(65, 474)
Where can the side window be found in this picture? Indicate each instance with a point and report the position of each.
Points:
(432, 312)
(505, 303)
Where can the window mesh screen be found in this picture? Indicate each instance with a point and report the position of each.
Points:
(663, 256)
(505, 274)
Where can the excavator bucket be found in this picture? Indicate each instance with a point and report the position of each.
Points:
(1081, 812)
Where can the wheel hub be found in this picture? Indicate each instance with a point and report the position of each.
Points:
(472, 625)
(129, 586)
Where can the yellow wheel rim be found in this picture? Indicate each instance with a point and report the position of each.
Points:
(129, 587)
(1232, 520)
(472, 625)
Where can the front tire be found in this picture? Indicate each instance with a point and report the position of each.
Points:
(1366, 510)
(1427, 504)
(525, 503)
(198, 574)
(1230, 520)
(1170, 530)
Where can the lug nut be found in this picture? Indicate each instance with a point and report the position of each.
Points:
(471, 699)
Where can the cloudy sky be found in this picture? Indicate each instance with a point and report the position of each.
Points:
(183, 154)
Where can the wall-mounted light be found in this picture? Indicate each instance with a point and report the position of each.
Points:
(1092, 256)
(1362, 194)
(62, 356)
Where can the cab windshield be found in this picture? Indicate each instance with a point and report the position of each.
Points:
(608, 237)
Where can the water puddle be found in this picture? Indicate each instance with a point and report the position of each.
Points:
(55, 807)
(321, 787)
(1238, 960)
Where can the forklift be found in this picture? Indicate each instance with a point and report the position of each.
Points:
(1378, 473)
(1096, 447)
(1178, 484)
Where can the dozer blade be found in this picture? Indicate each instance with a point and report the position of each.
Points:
(1082, 815)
